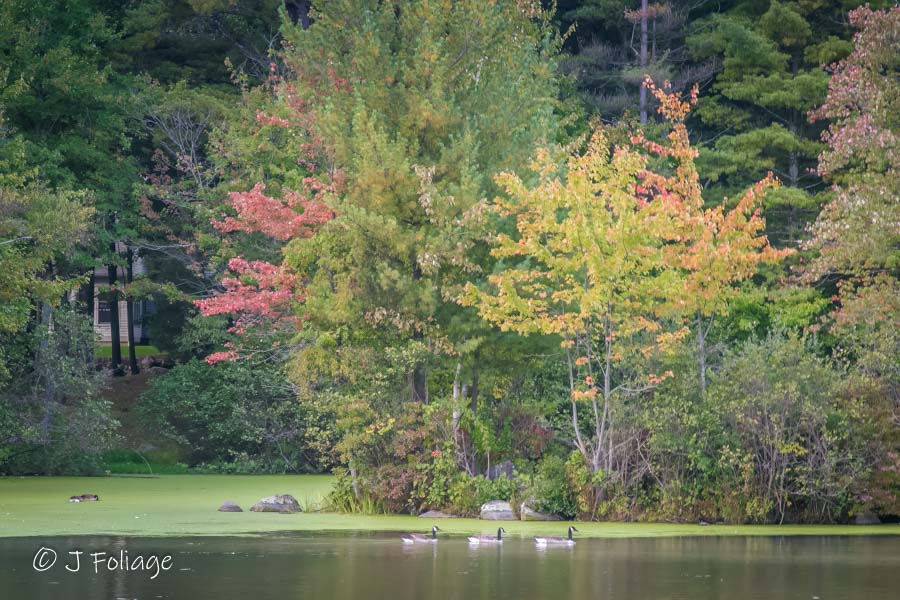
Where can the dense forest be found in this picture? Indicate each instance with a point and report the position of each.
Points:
(616, 259)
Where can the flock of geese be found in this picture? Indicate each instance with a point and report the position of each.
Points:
(475, 540)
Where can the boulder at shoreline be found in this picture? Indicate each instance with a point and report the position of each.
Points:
(279, 503)
(497, 510)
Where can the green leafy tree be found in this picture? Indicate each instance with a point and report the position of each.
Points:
(585, 264)
(74, 112)
(603, 256)
(791, 448)
(37, 227)
(416, 103)
(856, 238)
(857, 231)
(199, 41)
(52, 418)
(243, 414)
(397, 114)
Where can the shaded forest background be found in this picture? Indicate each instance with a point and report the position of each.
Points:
(609, 258)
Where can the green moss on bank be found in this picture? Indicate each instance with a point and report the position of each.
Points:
(186, 505)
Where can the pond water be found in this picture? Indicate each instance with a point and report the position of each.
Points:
(376, 566)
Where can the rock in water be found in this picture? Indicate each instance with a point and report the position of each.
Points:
(867, 518)
(529, 514)
(229, 506)
(280, 503)
(497, 510)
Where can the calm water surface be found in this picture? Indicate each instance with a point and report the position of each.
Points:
(378, 566)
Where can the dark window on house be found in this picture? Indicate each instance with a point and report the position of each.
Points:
(102, 312)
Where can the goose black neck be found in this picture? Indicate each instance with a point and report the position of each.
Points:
(433, 533)
(570, 533)
(498, 533)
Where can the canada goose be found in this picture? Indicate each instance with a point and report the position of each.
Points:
(488, 539)
(556, 541)
(420, 538)
(85, 498)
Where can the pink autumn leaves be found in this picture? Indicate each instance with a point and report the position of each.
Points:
(261, 293)
(290, 217)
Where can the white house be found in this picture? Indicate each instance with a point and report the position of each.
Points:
(102, 307)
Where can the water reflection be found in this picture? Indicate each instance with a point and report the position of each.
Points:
(372, 567)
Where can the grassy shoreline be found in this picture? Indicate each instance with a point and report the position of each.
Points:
(185, 505)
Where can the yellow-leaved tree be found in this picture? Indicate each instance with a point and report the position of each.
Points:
(619, 260)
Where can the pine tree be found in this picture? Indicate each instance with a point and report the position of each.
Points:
(755, 119)
(613, 44)
(417, 104)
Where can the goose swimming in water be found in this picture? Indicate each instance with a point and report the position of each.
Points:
(555, 541)
(488, 539)
(420, 538)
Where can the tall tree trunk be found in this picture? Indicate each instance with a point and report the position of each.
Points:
(793, 180)
(460, 391)
(86, 295)
(129, 310)
(607, 398)
(457, 402)
(473, 403)
(794, 158)
(89, 291)
(113, 296)
(420, 384)
(643, 101)
(50, 390)
(420, 371)
(701, 352)
(579, 442)
(354, 477)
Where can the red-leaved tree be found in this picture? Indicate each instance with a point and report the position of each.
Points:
(264, 298)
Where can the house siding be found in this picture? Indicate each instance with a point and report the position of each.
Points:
(102, 330)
